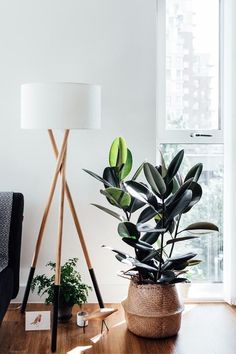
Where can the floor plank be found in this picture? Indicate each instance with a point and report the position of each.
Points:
(206, 329)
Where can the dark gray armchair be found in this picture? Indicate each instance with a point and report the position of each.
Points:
(9, 277)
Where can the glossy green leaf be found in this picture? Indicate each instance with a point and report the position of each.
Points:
(154, 179)
(144, 266)
(179, 239)
(175, 165)
(201, 228)
(128, 229)
(194, 262)
(179, 192)
(163, 165)
(137, 190)
(109, 174)
(167, 276)
(143, 246)
(122, 254)
(179, 280)
(146, 215)
(178, 206)
(172, 226)
(196, 195)
(194, 172)
(151, 237)
(169, 189)
(178, 262)
(176, 185)
(104, 181)
(108, 211)
(152, 255)
(118, 152)
(149, 228)
(134, 262)
(127, 167)
(117, 196)
(137, 173)
(183, 258)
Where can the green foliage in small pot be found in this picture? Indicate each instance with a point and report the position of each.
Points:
(72, 289)
(160, 201)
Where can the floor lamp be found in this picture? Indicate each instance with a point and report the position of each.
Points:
(60, 106)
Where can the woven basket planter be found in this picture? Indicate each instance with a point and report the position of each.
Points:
(153, 311)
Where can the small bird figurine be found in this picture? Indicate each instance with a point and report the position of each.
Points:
(100, 315)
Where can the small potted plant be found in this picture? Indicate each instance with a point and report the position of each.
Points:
(152, 307)
(72, 289)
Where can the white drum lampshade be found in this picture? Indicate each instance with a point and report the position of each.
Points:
(60, 106)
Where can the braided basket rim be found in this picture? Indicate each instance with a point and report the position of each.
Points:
(154, 315)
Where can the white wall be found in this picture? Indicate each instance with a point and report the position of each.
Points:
(110, 42)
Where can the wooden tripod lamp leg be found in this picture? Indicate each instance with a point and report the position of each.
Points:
(58, 260)
(79, 230)
(44, 220)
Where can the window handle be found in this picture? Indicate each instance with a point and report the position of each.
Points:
(197, 135)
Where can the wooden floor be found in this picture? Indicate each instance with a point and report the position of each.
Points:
(206, 329)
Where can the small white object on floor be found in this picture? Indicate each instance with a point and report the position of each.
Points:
(80, 319)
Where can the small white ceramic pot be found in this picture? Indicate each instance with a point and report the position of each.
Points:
(80, 319)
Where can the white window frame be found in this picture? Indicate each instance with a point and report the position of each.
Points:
(182, 136)
(200, 292)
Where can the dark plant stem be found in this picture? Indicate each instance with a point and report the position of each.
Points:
(162, 237)
(127, 215)
(175, 235)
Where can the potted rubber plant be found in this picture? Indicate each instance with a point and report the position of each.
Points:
(157, 204)
(72, 289)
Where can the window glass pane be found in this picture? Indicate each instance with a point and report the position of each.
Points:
(209, 247)
(192, 64)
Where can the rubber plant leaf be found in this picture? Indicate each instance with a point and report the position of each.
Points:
(110, 212)
(196, 195)
(179, 239)
(175, 165)
(151, 237)
(109, 174)
(154, 178)
(179, 192)
(179, 280)
(119, 197)
(104, 181)
(127, 167)
(183, 258)
(167, 276)
(143, 246)
(147, 214)
(201, 228)
(118, 152)
(163, 165)
(194, 262)
(128, 229)
(194, 172)
(137, 190)
(149, 228)
(134, 205)
(137, 173)
(122, 254)
(152, 255)
(178, 206)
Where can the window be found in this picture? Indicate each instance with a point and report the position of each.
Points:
(189, 42)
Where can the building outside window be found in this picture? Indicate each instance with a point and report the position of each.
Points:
(189, 112)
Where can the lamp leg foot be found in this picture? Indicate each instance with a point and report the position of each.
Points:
(96, 288)
(27, 290)
(55, 318)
